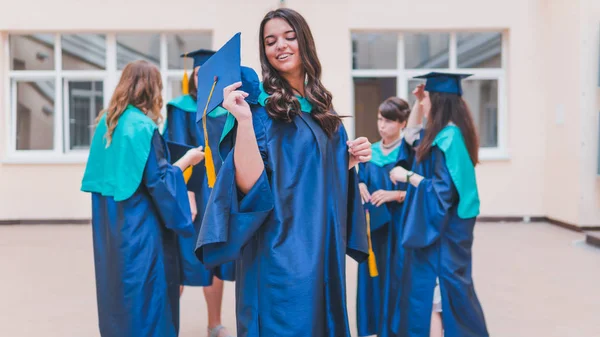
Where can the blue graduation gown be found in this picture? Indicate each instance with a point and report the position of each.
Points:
(371, 290)
(290, 233)
(136, 251)
(182, 128)
(434, 242)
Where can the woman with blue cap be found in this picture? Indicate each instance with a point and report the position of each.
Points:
(181, 127)
(286, 204)
(435, 236)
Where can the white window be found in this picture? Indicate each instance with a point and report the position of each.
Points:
(384, 64)
(58, 83)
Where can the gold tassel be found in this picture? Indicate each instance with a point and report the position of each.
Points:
(211, 174)
(185, 81)
(372, 262)
(185, 84)
(187, 174)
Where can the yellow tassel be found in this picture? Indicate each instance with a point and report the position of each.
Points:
(185, 83)
(211, 174)
(372, 261)
(187, 174)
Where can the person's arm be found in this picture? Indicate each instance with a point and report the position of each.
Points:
(248, 161)
(401, 175)
(249, 164)
(415, 119)
(360, 151)
(416, 114)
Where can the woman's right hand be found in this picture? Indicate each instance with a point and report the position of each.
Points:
(234, 101)
(193, 207)
(194, 156)
(364, 193)
(419, 92)
(398, 175)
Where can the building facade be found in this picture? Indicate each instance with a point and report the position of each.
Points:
(534, 93)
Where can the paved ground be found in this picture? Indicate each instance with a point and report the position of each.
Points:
(532, 279)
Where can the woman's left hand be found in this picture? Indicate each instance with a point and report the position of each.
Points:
(382, 196)
(193, 208)
(360, 151)
(398, 174)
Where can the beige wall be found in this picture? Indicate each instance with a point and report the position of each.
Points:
(589, 200)
(507, 187)
(530, 182)
(563, 151)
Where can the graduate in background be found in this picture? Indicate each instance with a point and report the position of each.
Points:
(139, 206)
(286, 203)
(181, 127)
(441, 207)
(383, 202)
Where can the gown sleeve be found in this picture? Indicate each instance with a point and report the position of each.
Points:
(430, 206)
(406, 155)
(176, 126)
(166, 187)
(181, 128)
(357, 244)
(362, 173)
(232, 218)
(412, 134)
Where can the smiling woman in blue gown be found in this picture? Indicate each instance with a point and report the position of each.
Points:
(139, 206)
(181, 127)
(286, 202)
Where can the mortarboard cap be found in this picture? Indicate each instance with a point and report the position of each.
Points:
(221, 70)
(379, 215)
(176, 151)
(200, 56)
(444, 82)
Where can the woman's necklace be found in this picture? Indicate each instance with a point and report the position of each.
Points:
(392, 144)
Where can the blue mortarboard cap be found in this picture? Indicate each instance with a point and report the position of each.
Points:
(221, 70)
(379, 215)
(177, 150)
(200, 56)
(193, 177)
(444, 82)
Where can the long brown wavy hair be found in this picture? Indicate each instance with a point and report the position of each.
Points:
(446, 108)
(282, 103)
(141, 86)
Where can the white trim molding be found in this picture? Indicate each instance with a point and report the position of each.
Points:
(108, 73)
(403, 76)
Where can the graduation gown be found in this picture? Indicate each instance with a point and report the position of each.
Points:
(137, 213)
(436, 241)
(370, 291)
(290, 233)
(181, 127)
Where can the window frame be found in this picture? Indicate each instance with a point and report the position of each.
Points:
(404, 75)
(66, 107)
(61, 152)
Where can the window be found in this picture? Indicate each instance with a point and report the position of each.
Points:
(384, 64)
(58, 83)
